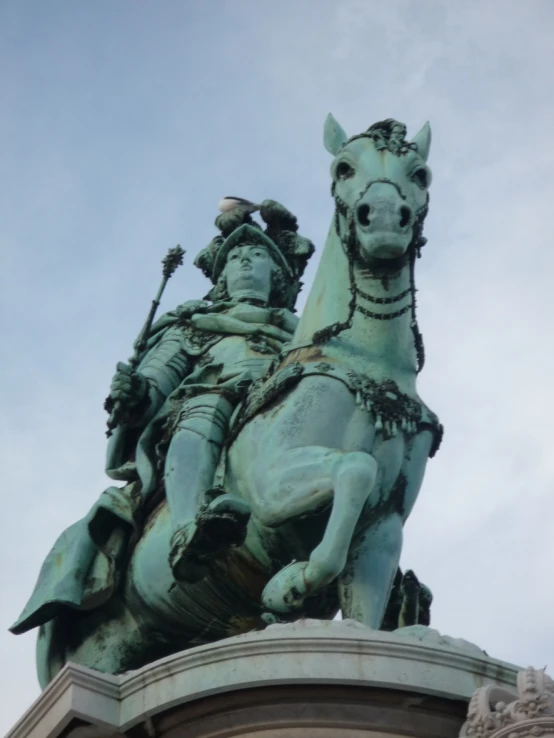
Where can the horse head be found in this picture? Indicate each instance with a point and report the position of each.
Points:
(380, 186)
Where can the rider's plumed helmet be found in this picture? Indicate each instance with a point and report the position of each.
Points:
(290, 251)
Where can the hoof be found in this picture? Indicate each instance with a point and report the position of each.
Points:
(288, 589)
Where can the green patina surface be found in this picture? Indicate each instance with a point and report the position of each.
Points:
(267, 462)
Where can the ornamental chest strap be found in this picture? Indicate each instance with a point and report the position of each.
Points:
(391, 409)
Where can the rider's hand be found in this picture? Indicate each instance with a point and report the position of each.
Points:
(128, 388)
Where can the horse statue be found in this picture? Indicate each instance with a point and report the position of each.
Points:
(327, 452)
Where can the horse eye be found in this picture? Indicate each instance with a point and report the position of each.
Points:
(344, 170)
(421, 178)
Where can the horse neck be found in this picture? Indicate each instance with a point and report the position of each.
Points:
(375, 315)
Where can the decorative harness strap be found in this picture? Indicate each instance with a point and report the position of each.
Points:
(387, 272)
(392, 410)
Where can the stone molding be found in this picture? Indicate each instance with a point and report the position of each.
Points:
(312, 711)
(419, 661)
(77, 693)
(499, 713)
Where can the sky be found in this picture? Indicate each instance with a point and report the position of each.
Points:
(125, 121)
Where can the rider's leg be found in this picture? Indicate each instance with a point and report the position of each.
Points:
(193, 454)
(191, 461)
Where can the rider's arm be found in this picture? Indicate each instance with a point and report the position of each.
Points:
(164, 369)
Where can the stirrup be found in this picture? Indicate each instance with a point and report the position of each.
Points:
(220, 525)
(185, 566)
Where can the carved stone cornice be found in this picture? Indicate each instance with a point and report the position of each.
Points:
(417, 664)
(498, 713)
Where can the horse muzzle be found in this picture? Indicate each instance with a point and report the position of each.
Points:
(384, 226)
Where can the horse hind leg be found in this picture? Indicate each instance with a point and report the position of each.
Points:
(315, 476)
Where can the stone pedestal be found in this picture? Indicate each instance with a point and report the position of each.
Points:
(312, 679)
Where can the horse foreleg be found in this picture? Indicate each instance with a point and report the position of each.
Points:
(366, 583)
(346, 479)
(354, 480)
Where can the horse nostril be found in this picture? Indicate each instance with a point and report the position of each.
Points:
(405, 216)
(363, 215)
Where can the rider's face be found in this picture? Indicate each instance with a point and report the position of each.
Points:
(248, 272)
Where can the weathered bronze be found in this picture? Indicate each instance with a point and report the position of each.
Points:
(269, 463)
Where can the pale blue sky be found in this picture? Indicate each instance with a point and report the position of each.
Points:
(124, 122)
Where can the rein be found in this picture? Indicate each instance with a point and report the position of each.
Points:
(385, 273)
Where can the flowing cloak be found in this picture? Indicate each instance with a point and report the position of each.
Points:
(82, 570)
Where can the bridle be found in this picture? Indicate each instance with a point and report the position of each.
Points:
(383, 272)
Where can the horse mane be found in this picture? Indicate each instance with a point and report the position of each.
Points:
(388, 134)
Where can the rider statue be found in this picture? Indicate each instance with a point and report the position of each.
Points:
(189, 383)
(174, 411)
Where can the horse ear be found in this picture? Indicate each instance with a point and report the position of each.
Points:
(334, 136)
(422, 140)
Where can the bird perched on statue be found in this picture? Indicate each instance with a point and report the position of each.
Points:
(237, 203)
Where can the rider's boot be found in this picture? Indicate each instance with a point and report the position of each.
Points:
(206, 521)
(218, 526)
